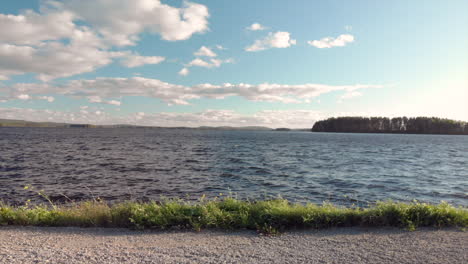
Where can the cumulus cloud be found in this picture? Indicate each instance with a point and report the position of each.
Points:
(135, 60)
(205, 51)
(100, 89)
(184, 72)
(30, 27)
(32, 43)
(210, 62)
(121, 21)
(329, 42)
(52, 60)
(279, 39)
(285, 118)
(49, 99)
(256, 27)
(71, 37)
(200, 63)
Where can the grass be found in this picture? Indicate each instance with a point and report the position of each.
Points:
(268, 216)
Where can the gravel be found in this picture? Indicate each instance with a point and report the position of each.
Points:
(342, 245)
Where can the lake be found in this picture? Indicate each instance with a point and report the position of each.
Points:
(147, 163)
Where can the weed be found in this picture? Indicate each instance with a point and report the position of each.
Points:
(265, 216)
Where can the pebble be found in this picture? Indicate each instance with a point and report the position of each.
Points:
(342, 245)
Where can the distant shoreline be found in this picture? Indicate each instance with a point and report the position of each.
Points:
(31, 124)
(237, 129)
(362, 125)
(396, 125)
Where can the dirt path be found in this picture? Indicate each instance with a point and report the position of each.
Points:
(344, 245)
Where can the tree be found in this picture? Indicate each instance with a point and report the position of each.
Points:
(414, 125)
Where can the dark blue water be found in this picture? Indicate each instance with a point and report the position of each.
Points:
(142, 164)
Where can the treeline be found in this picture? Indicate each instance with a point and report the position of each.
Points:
(413, 125)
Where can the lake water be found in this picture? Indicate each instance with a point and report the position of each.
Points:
(142, 164)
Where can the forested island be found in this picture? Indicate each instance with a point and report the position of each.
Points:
(402, 125)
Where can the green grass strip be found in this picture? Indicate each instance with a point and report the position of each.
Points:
(269, 216)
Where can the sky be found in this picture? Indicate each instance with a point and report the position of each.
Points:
(239, 63)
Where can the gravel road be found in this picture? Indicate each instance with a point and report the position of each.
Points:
(343, 245)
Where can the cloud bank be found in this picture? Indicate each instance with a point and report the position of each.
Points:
(89, 115)
(96, 90)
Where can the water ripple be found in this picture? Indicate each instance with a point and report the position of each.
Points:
(142, 164)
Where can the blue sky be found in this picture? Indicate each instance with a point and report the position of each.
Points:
(121, 62)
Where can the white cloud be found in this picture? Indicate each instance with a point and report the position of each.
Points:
(287, 118)
(94, 99)
(98, 100)
(184, 72)
(113, 102)
(348, 28)
(200, 63)
(279, 39)
(121, 21)
(255, 27)
(49, 99)
(351, 94)
(135, 60)
(97, 90)
(52, 59)
(72, 37)
(211, 63)
(205, 51)
(328, 42)
(139, 115)
(268, 118)
(30, 27)
(32, 43)
(23, 97)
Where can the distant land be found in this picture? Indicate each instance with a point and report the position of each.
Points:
(400, 125)
(23, 123)
(350, 124)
